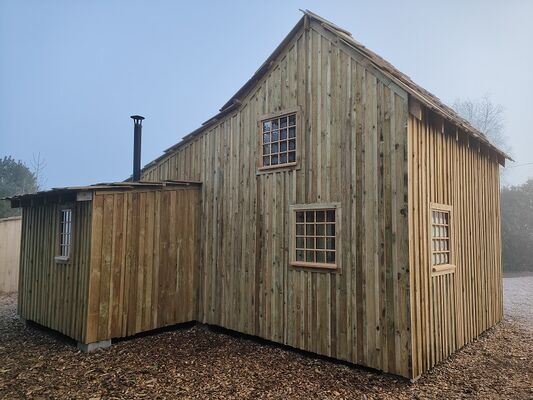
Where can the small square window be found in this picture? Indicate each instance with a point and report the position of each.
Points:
(292, 119)
(315, 242)
(279, 134)
(292, 144)
(292, 132)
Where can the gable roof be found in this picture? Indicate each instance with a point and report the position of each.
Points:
(428, 99)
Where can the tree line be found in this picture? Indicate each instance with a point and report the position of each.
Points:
(517, 227)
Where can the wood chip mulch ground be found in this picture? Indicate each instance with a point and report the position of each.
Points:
(200, 364)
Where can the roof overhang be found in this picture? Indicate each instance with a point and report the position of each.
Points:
(80, 193)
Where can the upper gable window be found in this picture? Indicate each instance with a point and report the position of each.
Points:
(279, 141)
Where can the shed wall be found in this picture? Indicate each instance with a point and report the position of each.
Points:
(10, 231)
(353, 151)
(53, 294)
(451, 309)
(144, 261)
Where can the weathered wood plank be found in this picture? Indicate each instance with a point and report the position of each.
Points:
(459, 305)
(341, 156)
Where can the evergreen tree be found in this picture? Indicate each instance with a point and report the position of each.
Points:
(15, 178)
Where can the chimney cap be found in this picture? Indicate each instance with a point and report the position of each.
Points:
(137, 117)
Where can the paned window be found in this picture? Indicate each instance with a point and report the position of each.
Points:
(278, 141)
(315, 237)
(65, 233)
(440, 237)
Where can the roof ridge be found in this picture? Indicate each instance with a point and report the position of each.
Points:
(404, 81)
(382, 64)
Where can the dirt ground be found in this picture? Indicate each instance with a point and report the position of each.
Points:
(199, 364)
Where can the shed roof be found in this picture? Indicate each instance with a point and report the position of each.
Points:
(429, 100)
(73, 190)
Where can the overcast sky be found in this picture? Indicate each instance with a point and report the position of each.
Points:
(72, 72)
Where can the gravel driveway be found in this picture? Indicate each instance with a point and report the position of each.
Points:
(518, 297)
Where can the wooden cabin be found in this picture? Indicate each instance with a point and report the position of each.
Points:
(343, 210)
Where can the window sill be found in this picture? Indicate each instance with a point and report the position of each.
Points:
(276, 168)
(315, 266)
(443, 269)
(61, 259)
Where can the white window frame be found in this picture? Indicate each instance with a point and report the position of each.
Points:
(64, 249)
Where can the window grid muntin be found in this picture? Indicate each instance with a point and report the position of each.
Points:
(279, 141)
(440, 237)
(65, 232)
(315, 238)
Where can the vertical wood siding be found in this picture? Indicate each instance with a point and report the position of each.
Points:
(451, 309)
(144, 261)
(354, 151)
(10, 231)
(53, 294)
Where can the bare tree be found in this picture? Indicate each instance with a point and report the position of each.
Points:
(486, 117)
(38, 165)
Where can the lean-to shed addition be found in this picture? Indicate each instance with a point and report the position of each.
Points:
(110, 260)
(343, 210)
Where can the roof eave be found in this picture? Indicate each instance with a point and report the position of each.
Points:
(99, 187)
